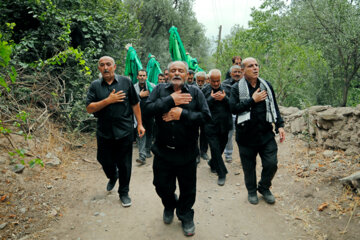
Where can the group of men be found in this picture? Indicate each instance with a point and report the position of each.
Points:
(182, 110)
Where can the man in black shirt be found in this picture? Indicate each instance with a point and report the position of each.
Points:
(200, 83)
(236, 75)
(236, 60)
(190, 79)
(113, 100)
(144, 143)
(179, 110)
(217, 130)
(253, 101)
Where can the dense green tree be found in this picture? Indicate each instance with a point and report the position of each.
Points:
(156, 18)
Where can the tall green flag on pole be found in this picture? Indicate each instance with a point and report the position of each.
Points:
(133, 65)
(153, 69)
(177, 50)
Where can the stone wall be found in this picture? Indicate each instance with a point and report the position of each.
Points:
(331, 128)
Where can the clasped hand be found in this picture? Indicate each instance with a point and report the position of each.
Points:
(219, 95)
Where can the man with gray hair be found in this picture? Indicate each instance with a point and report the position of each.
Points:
(217, 97)
(236, 74)
(113, 101)
(253, 101)
(179, 109)
(200, 78)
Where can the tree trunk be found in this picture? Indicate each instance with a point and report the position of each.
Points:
(345, 92)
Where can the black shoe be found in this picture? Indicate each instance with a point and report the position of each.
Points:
(148, 154)
(211, 169)
(221, 181)
(204, 156)
(168, 216)
(253, 198)
(111, 184)
(268, 196)
(125, 200)
(188, 228)
(142, 161)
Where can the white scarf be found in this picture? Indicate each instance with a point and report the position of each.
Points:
(244, 94)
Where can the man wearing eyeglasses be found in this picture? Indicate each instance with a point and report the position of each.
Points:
(253, 101)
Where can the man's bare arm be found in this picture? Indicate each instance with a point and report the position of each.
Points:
(112, 98)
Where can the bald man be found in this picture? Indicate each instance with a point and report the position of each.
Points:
(217, 97)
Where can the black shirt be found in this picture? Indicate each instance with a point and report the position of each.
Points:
(257, 130)
(115, 121)
(220, 111)
(176, 140)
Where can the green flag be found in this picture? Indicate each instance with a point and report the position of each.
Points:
(153, 69)
(133, 65)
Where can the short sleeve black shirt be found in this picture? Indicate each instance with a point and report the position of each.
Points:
(115, 121)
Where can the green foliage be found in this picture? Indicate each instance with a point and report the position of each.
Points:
(309, 50)
(17, 155)
(156, 18)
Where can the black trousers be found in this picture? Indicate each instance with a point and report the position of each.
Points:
(268, 155)
(116, 153)
(217, 144)
(203, 141)
(148, 123)
(165, 175)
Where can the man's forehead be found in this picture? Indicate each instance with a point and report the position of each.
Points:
(249, 61)
(106, 59)
(177, 65)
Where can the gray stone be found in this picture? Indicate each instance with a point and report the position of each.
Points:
(18, 168)
(285, 111)
(318, 108)
(345, 111)
(96, 214)
(54, 161)
(352, 151)
(329, 143)
(2, 226)
(23, 210)
(312, 153)
(328, 153)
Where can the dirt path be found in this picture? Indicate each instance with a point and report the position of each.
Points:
(69, 202)
(220, 212)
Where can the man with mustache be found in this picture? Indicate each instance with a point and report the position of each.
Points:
(179, 110)
(253, 101)
(217, 130)
(144, 143)
(113, 101)
(236, 74)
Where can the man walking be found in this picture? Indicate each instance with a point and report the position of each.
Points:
(179, 110)
(144, 143)
(253, 101)
(218, 128)
(113, 101)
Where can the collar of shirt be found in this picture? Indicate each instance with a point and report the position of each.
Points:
(185, 87)
(104, 82)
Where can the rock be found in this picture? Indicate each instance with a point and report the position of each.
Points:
(318, 108)
(312, 153)
(328, 153)
(53, 212)
(351, 151)
(285, 111)
(96, 214)
(23, 210)
(2, 226)
(54, 161)
(18, 168)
